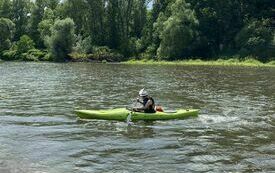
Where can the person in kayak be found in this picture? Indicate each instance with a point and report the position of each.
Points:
(147, 102)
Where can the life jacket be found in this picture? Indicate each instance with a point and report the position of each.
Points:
(151, 108)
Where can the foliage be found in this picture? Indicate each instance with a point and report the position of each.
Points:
(62, 39)
(256, 39)
(20, 49)
(248, 61)
(139, 18)
(35, 18)
(34, 55)
(99, 54)
(105, 53)
(7, 28)
(5, 9)
(24, 44)
(44, 28)
(83, 45)
(20, 13)
(169, 29)
(177, 32)
(9, 55)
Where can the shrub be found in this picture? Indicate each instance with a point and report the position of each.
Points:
(34, 55)
(251, 60)
(76, 57)
(24, 44)
(83, 45)
(271, 63)
(105, 53)
(9, 55)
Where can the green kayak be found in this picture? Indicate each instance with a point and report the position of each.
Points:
(121, 114)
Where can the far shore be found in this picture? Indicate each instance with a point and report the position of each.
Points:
(248, 62)
(219, 62)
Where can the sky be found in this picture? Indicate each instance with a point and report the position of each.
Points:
(150, 5)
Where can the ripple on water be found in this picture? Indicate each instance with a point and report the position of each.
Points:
(40, 133)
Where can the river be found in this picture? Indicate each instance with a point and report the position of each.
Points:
(39, 132)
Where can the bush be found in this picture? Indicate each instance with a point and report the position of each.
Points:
(271, 63)
(28, 57)
(129, 47)
(100, 54)
(47, 57)
(233, 60)
(24, 44)
(9, 55)
(105, 53)
(83, 45)
(150, 52)
(19, 50)
(251, 60)
(78, 57)
(34, 55)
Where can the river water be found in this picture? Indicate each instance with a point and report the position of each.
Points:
(39, 132)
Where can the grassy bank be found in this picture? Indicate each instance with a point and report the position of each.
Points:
(219, 62)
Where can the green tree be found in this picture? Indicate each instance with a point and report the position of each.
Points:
(76, 10)
(88, 16)
(5, 9)
(256, 39)
(139, 18)
(49, 14)
(150, 36)
(257, 9)
(36, 17)
(178, 31)
(95, 25)
(62, 39)
(52, 4)
(220, 21)
(119, 25)
(112, 26)
(7, 28)
(44, 27)
(20, 14)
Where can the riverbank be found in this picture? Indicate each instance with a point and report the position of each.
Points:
(198, 62)
(219, 62)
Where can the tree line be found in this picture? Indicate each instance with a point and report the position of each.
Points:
(116, 30)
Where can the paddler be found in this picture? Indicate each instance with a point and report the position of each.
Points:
(147, 102)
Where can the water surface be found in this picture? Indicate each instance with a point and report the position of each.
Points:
(39, 133)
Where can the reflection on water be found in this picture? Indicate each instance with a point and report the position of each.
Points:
(39, 133)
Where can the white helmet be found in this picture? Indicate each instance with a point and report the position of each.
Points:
(143, 93)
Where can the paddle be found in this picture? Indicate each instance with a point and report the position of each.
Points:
(131, 109)
(129, 119)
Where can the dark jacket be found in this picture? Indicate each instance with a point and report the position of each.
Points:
(151, 108)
